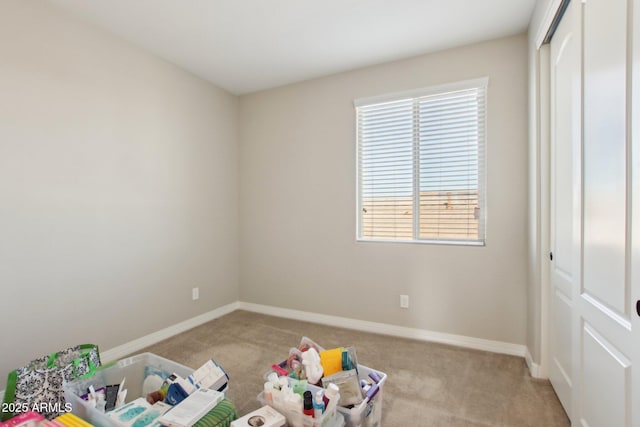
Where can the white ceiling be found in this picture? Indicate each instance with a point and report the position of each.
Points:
(249, 45)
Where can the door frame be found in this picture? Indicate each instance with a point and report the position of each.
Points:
(540, 149)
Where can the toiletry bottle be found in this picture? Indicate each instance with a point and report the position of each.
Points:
(308, 403)
(330, 393)
(101, 403)
(318, 405)
(273, 378)
(283, 383)
(268, 392)
(292, 401)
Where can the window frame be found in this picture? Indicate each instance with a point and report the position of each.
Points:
(478, 83)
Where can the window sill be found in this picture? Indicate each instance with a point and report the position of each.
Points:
(424, 242)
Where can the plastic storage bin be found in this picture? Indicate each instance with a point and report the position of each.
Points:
(330, 418)
(367, 414)
(134, 369)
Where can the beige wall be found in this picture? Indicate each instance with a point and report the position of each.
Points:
(297, 204)
(118, 188)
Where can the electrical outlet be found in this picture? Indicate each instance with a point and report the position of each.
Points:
(404, 301)
(195, 293)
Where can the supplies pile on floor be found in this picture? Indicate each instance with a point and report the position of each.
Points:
(140, 391)
(312, 387)
(317, 387)
(148, 390)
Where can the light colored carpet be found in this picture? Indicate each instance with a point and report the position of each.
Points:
(428, 384)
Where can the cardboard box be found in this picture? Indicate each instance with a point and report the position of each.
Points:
(263, 417)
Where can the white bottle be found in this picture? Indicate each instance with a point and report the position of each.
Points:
(268, 392)
(318, 405)
(101, 403)
(330, 394)
(294, 403)
(273, 378)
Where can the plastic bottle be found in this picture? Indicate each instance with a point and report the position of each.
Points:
(283, 382)
(318, 404)
(291, 400)
(273, 378)
(268, 392)
(330, 393)
(308, 403)
(101, 403)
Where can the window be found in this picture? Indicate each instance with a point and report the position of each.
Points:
(421, 165)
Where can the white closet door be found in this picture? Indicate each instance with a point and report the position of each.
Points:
(605, 338)
(565, 141)
(595, 192)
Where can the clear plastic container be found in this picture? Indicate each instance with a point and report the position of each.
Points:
(366, 414)
(134, 369)
(330, 417)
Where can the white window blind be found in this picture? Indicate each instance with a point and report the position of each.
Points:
(421, 165)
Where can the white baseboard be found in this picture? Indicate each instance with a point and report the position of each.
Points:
(386, 329)
(534, 368)
(126, 349)
(131, 347)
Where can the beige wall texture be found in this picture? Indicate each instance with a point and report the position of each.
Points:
(298, 215)
(126, 181)
(118, 188)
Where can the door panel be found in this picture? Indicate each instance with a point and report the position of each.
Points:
(607, 376)
(561, 369)
(605, 343)
(564, 121)
(605, 137)
(594, 201)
